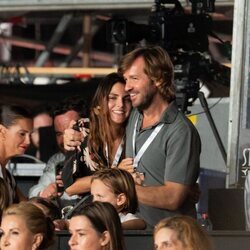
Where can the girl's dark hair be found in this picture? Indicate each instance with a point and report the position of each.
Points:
(9, 114)
(104, 217)
(101, 133)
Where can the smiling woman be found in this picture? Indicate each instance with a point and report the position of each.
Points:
(15, 130)
(104, 146)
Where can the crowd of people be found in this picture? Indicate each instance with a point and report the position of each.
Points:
(129, 161)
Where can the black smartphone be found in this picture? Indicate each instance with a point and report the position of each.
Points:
(82, 123)
(58, 169)
(76, 126)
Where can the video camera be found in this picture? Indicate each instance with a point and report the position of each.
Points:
(184, 36)
(172, 29)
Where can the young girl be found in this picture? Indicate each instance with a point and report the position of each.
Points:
(117, 187)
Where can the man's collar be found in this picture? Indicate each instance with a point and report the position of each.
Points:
(170, 113)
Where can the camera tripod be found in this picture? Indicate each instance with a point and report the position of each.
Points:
(205, 107)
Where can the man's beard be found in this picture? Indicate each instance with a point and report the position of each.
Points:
(146, 102)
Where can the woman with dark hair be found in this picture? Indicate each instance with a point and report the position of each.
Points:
(15, 130)
(97, 227)
(25, 227)
(104, 146)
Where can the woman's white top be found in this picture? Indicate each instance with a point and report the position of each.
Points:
(127, 217)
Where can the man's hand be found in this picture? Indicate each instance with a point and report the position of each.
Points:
(71, 137)
(127, 164)
(138, 178)
(49, 192)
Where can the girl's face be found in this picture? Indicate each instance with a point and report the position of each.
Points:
(103, 193)
(119, 103)
(16, 235)
(16, 138)
(84, 236)
(166, 239)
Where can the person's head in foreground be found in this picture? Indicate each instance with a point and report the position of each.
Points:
(96, 227)
(180, 233)
(25, 227)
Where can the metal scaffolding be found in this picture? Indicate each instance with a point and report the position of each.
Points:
(35, 5)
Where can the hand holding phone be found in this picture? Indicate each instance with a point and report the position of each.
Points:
(82, 126)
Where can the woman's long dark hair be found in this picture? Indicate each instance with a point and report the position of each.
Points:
(101, 133)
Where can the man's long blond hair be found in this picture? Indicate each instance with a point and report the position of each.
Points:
(158, 67)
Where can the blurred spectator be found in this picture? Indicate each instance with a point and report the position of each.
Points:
(69, 109)
(43, 138)
(180, 232)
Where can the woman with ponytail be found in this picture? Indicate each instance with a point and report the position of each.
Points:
(25, 227)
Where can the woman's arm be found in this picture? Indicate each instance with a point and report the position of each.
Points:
(136, 224)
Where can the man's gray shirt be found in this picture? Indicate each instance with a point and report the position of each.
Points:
(173, 155)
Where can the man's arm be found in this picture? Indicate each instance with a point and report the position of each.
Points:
(44, 181)
(80, 186)
(169, 196)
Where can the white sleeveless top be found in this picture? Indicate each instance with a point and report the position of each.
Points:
(127, 217)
